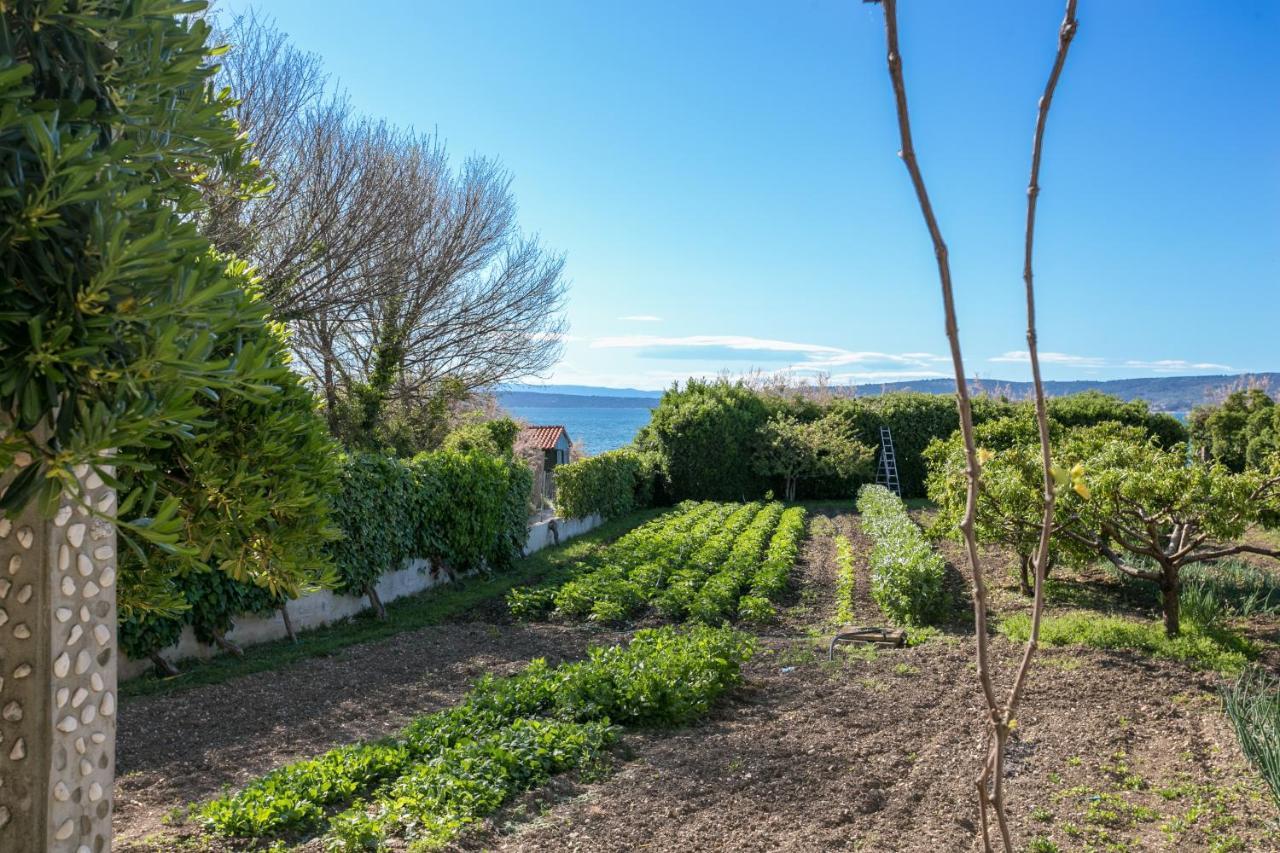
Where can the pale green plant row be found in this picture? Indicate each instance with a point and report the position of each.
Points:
(846, 579)
(907, 574)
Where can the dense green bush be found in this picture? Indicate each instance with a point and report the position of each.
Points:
(1243, 431)
(906, 573)
(123, 330)
(610, 484)
(450, 768)
(706, 434)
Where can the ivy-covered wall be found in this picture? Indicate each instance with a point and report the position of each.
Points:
(459, 510)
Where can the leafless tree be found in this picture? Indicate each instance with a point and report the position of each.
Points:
(371, 246)
(999, 717)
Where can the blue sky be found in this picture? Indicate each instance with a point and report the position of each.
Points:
(723, 179)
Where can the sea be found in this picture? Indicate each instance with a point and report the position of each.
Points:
(599, 429)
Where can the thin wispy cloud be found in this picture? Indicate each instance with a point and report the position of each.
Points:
(1024, 357)
(1166, 365)
(641, 318)
(1175, 365)
(710, 345)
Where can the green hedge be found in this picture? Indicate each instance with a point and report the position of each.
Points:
(705, 434)
(611, 484)
(459, 510)
(906, 573)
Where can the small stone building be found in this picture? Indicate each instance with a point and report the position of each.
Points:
(553, 441)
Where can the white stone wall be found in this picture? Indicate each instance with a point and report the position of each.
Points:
(324, 608)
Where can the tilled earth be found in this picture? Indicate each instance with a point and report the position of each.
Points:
(874, 751)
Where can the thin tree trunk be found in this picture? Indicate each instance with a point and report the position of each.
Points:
(330, 396)
(1172, 603)
(288, 622)
(999, 719)
(378, 609)
(166, 669)
(1024, 575)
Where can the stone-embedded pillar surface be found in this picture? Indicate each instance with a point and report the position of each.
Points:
(58, 677)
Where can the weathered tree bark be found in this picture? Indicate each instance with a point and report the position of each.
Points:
(1024, 575)
(1170, 590)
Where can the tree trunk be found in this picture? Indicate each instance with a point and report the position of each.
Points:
(1169, 587)
(166, 669)
(790, 489)
(227, 645)
(330, 397)
(288, 622)
(1024, 574)
(374, 599)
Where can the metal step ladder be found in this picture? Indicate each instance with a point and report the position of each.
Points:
(887, 474)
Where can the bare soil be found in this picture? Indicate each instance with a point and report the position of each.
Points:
(873, 751)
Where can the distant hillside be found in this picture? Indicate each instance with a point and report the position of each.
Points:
(577, 391)
(1163, 393)
(543, 400)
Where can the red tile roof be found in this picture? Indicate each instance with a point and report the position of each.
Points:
(545, 437)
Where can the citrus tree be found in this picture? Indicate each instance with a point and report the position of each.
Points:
(1010, 501)
(1151, 513)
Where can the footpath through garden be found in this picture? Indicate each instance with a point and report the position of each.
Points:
(875, 750)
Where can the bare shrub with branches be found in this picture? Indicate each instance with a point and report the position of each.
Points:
(999, 717)
(396, 272)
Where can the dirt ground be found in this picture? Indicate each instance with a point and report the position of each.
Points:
(874, 751)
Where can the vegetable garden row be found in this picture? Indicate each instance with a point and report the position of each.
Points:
(448, 769)
(707, 562)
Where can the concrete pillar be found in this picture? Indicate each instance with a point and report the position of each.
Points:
(58, 677)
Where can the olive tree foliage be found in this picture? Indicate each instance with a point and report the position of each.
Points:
(128, 345)
(793, 449)
(403, 278)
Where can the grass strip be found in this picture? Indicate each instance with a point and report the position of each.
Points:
(846, 580)
(1214, 649)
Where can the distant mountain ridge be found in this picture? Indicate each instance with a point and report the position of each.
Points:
(1163, 393)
